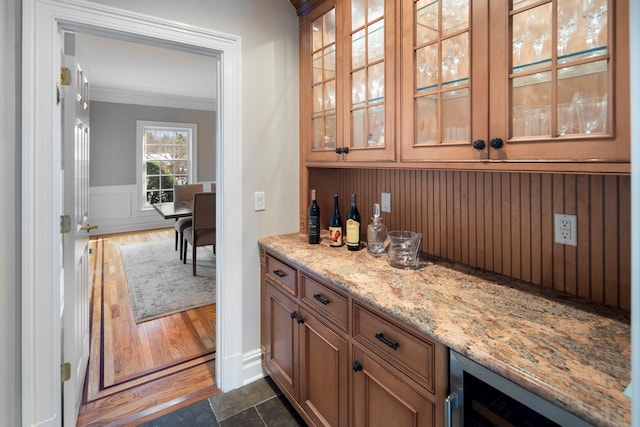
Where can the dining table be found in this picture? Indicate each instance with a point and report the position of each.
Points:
(170, 210)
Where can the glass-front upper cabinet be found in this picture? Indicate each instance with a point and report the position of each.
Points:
(324, 91)
(438, 80)
(515, 80)
(369, 88)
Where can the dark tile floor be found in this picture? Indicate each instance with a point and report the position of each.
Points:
(259, 404)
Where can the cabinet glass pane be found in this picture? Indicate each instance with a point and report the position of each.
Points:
(316, 28)
(317, 68)
(357, 13)
(426, 120)
(583, 91)
(456, 115)
(358, 86)
(329, 27)
(357, 49)
(531, 112)
(318, 134)
(330, 95)
(376, 126)
(593, 22)
(376, 82)
(330, 63)
(455, 15)
(375, 49)
(376, 10)
(427, 67)
(455, 59)
(359, 128)
(317, 100)
(426, 21)
(330, 129)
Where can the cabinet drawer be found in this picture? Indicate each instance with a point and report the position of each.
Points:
(283, 275)
(414, 354)
(326, 301)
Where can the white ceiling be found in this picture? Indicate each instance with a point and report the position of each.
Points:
(124, 67)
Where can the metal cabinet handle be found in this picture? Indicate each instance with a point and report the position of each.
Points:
(321, 299)
(478, 144)
(451, 403)
(393, 345)
(294, 315)
(279, 273)
(300, 319)
(357, 366)
(496, 143)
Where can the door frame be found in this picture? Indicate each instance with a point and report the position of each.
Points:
(41, 200)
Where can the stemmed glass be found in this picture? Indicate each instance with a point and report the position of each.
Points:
(454, 53)
(520, 35)
(567, 24)
(538, 29)
(594, 12)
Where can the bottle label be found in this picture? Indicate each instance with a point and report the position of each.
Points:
(335, 236)
(314, 228)
(353, 232)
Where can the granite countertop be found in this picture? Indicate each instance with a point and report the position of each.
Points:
(572, 353)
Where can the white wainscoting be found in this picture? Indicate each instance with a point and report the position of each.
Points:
(113, 208)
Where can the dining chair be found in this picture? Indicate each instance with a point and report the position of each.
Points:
(203, 229)
(184, 193)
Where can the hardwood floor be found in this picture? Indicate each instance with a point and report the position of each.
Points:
(140, 371)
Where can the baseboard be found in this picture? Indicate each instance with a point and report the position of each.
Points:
(252, 367)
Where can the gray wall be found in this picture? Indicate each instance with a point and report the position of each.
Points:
(113, 140)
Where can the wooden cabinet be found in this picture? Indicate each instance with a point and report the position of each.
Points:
(306, 357)
(525, 81)
(374, 373)
(509, 85)
(348, 71)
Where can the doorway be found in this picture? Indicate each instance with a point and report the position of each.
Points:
(41, 395)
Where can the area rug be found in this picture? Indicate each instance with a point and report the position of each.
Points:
(160, 284)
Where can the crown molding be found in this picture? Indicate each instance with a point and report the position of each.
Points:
(122, 96)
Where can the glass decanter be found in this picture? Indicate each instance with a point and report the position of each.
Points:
(376, 233)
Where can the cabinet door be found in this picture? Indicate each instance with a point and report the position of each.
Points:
(320, 90)
(281, 339)
(384, 397)
(566, 74)
(439, 79)
(324, 375)
(369, 37)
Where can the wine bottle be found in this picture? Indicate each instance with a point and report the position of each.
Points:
(314, 220)
(353, 226)
(335, 225)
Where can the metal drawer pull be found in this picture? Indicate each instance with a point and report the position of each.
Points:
(322, 300)
(279, 273)
(393, 345)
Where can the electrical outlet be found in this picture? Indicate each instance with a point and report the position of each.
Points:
(566, 229)
(258, 201)
(385, 202)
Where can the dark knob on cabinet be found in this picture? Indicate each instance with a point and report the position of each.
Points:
(338, 150)
(294, 315)
(496, 143)
(357, 366)
(341, 150)
(300, 319)
(478, 144)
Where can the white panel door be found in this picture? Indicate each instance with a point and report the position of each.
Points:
(75, 173)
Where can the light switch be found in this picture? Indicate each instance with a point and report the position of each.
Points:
(259, 202)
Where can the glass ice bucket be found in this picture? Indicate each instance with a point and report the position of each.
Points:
(404, 249)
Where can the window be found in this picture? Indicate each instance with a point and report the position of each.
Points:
(166, 154)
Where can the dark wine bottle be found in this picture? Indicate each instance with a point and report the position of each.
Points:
(314, 220)
(335, 225)
(353, 226)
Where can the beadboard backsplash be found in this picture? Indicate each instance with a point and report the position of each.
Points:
(503, 222)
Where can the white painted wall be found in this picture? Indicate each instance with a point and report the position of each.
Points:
(270, 145)
(9, 214)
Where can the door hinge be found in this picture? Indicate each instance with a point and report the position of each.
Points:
(65, 372)
(65, 224)
(65, 76)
